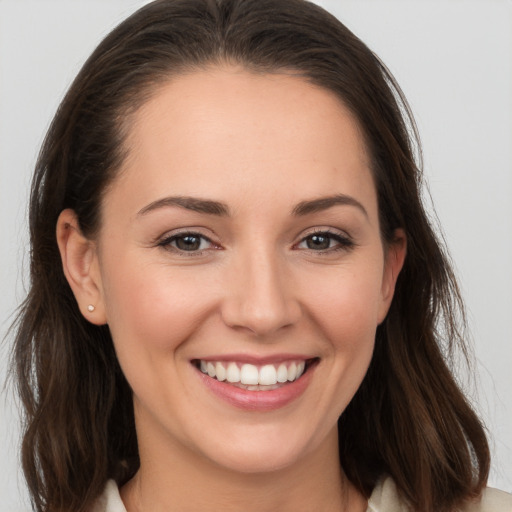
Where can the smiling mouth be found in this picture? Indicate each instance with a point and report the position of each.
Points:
(252, 377)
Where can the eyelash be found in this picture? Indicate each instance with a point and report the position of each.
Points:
(344, 243)
(167, 241)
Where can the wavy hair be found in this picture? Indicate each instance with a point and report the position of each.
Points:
(409, 419)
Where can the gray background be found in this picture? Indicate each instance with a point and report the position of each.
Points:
(453, 59)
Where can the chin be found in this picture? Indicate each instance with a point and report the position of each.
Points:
(257, 461)
(260, 450)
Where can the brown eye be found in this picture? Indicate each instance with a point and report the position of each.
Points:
(186, 242)
(325, 241)
(318, 242)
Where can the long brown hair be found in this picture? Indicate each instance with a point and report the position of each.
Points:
(409, 419)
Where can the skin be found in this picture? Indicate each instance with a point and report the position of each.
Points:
(260, 144)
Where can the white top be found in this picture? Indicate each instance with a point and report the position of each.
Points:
(384, 498)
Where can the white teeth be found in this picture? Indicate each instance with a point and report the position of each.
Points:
(220, 372)
(210, 369)
(282, 373)
(249, 374)
(292, 372)
(233, 373)
(252, 376)
(268, 375)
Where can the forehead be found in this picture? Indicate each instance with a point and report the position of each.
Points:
(218, 130)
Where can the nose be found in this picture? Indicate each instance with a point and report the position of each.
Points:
(260, 296)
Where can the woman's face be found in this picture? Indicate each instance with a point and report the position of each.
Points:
(241, 239)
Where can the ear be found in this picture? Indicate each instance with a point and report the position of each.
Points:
(393, 262)
(81, 268)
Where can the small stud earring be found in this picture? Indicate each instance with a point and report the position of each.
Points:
(90, 308)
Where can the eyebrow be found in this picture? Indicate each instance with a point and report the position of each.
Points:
(324, 203)
(189, 203)
(211, 207)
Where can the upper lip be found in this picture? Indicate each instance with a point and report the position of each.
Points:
(256, 360)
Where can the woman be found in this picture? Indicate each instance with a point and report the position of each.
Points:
(236, 296)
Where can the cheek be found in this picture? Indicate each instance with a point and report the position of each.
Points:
(346, 307)
(350, 324)
(346, 310)
(156, 308)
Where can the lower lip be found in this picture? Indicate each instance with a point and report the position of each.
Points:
(258, 400)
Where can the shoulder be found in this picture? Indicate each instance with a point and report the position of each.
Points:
(385, 498)
(493, 500)
(110, 500)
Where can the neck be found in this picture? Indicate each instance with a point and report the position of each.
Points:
(176, 479)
